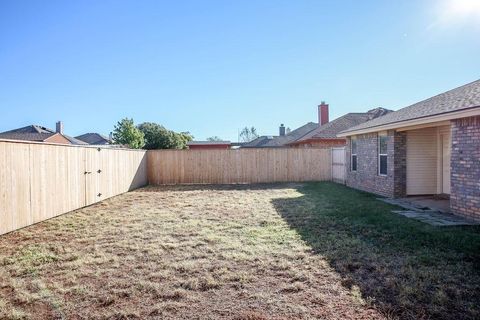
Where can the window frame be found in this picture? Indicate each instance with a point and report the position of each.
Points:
(352, 140)
(380, 154)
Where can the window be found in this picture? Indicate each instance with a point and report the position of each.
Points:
(382, 154)
(354, 154)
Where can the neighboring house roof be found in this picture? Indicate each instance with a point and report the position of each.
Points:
(458, 99)
(30, 129)
(35, 133)
(197, 143)
(28, 136)
(75, 140)
(332, 128)
(94, 138)
(280, 141)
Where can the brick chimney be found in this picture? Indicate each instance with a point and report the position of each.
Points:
(59, 128)
(322, 113)
(282, 130)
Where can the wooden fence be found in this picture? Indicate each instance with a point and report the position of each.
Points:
(338, 165)
(39, 181)
(238, 166)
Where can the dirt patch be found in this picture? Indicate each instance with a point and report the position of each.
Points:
(173, 252)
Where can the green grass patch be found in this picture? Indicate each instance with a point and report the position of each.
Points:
(402, 264)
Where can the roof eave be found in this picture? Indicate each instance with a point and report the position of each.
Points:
(470, 112)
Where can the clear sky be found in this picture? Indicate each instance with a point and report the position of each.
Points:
(212, 67)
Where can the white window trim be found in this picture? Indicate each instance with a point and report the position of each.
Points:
(353, 154)
(381, 134)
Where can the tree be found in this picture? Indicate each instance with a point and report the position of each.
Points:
(126, 133)
(248, 134)
(185, 137)
(214, 138)
(158, 137)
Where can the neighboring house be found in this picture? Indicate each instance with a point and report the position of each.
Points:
(282, 139)
(325, 136)
(197, 145)
(429, 148)
(317, 135)
(94, 139)
(41, 134)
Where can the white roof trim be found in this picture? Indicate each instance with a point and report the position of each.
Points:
(472, 112)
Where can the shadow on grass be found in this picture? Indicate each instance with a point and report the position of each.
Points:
(405, 268)
(216, 187)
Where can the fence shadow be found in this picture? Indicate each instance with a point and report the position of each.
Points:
(216, 187)
(405, 268)
(140, 179)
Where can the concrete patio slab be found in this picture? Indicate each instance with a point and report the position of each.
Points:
(427, 214)
(436, 218)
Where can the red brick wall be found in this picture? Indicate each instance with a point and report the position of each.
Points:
(366, 177)
(57, 138)
(465, 167)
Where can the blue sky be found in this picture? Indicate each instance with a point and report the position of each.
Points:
(212, 67)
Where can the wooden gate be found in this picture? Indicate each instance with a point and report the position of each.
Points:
(338, 165)
(39, 181)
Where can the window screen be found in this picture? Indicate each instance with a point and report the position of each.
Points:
(382, 154)
(354, 154)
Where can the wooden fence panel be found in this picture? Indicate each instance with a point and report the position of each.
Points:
(338, 165)
(238, 166)
(39, 181)
(56, 180)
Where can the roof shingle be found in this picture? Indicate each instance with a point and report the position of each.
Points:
(461, 98)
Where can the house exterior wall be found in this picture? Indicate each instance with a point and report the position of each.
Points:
(366, 177)
(58, 138)
(465, 167)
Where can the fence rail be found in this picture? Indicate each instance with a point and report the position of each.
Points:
(39, 181)
(238, 166)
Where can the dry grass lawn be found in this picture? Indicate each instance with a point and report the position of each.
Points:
(205, 252)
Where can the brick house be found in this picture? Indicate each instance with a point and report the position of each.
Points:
(41, 134)
(429, 148)
(325, 135)
(316, 135)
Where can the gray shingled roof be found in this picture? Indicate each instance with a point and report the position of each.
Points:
(27, 136)
(332, 128)
(74, 140)
(93, 138)
(31, 129)
(35, 133)
(28, 133)
(461, 98)
(281, 141)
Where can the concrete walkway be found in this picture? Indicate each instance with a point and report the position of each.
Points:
(427, 215)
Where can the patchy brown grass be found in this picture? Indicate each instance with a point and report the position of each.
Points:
(172, 252)
(287, 251)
